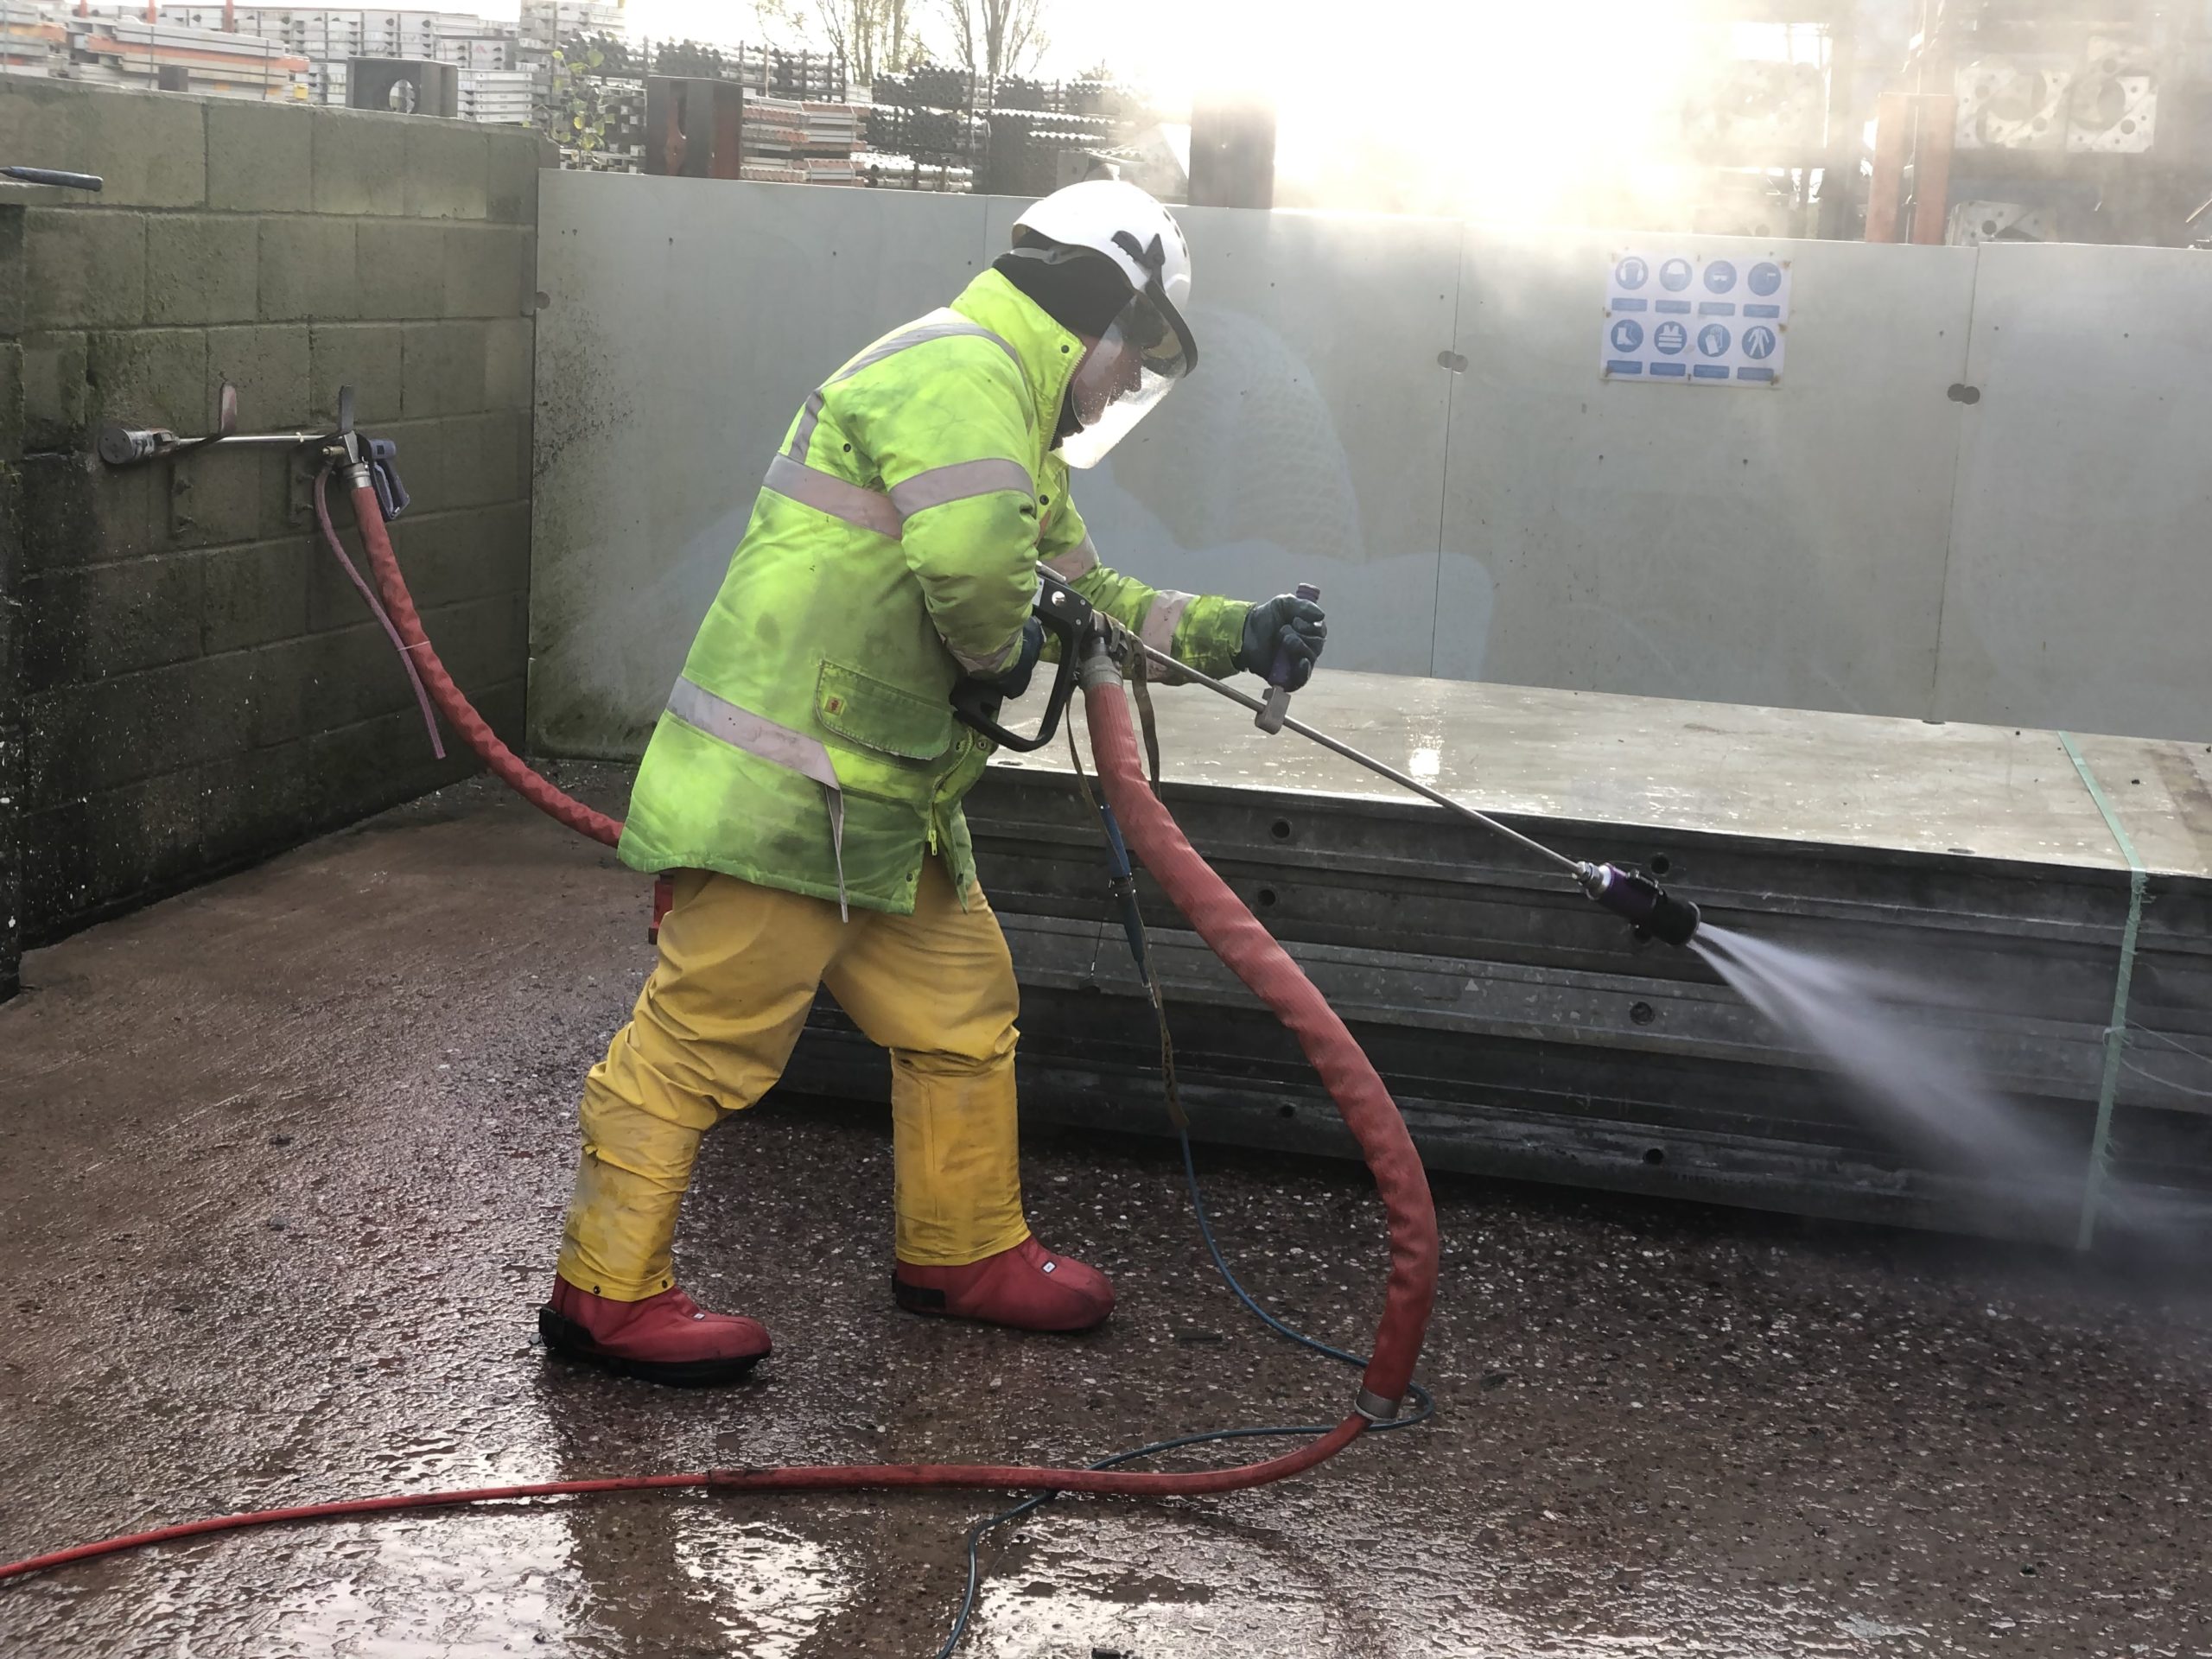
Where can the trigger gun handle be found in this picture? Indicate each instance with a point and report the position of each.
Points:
(383, 472)
(1067, 617)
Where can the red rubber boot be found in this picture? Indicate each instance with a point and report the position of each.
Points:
(664, 1339)
(1027, 1287)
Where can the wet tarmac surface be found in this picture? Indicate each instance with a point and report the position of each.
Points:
(282, 1166)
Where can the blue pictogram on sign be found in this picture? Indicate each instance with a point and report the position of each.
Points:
(1765, 277)
(1632, 272)
(1759, 342)
(1627, 335)
(1674, 275)
(1721, 276)
(1670, 337)
(1712, 340)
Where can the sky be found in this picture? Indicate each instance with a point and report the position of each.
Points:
(1492, 108)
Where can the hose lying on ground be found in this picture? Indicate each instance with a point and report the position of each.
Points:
(1227, 926)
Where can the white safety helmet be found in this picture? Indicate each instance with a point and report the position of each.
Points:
(1147, 347)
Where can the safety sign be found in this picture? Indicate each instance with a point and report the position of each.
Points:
(1702, 319)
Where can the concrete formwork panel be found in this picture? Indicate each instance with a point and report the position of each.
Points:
(1783, 547)
(1309, 445)
(2079, 584)
(685, 321)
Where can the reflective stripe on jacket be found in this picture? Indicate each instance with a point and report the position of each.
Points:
(810, 744)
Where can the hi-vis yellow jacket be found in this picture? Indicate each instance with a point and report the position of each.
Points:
(809, 744)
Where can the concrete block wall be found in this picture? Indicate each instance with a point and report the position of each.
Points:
(197, 683)
(12, 724)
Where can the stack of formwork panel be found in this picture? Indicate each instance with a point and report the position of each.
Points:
(32, 41)
(477, 43)
(505, 96)
(774, 140)
(1962, 877)
(794, 141)
(545, 23)
(833, 135)
(131, 52)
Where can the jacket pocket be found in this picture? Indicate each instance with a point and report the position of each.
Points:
(878, 715)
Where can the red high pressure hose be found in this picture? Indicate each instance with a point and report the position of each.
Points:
(1225, 924)
(460, 713)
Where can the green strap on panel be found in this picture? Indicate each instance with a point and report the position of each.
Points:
(2116, 1032)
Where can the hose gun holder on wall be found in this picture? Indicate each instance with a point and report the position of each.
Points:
(346, 449)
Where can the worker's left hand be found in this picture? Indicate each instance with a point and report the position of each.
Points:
(1295, 626)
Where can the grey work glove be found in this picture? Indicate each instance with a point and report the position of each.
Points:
(1295, 628)
(1013, 679)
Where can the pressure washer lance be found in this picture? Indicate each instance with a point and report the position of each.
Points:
(1075, 623)
(1629, 894)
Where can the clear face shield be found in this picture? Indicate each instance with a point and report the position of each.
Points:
(1143, 352)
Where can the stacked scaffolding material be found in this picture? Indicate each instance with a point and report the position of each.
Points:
(31, 42)
(923, 132)
(763, 71)
(503, 97)
(545, 24)
(328, 37)
(791, 141)
(619, 104)
(1005, 138)
(1025, 147)
(885, 171)
(477, 44)
(127, 51)
(2076, 125)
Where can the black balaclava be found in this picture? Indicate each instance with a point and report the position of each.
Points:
(1081, 290)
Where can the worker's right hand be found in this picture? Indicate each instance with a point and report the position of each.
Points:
(1014, 680)
(1295, 626)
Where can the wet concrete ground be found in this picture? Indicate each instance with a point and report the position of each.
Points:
(282, 1165)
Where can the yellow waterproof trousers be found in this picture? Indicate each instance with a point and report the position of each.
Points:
(715, 1023)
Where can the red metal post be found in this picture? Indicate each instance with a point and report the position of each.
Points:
(1938, 127)
(1885, 190)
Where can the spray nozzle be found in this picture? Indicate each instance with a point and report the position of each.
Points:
(1637, 898)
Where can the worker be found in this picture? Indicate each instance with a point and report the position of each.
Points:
(804, 783)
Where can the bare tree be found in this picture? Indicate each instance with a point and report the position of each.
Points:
(991, 38)
(873, 36)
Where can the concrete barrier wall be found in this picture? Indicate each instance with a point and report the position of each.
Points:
(1969, 499)
(198, 684)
